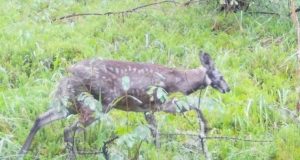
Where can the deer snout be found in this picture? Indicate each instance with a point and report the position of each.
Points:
(226, 90)
(221, 87)
(224, 87)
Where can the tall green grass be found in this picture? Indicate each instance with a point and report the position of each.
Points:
(255, 53)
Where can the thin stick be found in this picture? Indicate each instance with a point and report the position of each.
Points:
(217, 137)
(202, 125)
(117, 12)
(203, 129)
(152, 4)
(264, 12)
(202, 135)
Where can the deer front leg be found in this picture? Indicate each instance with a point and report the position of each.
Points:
(44, 119)
(176, 106)
(150, 118)
(69, 134)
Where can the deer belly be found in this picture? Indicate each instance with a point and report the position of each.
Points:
(133, 108)
(135, 105)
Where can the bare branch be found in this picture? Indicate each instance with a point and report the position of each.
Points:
(176, 134)
(264, 12)
(186, 4)
(117, 12)
(216, 137)
(203, 128)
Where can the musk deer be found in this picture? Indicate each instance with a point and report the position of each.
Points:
(102, 81)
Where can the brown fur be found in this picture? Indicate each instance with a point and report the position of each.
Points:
(103, 78)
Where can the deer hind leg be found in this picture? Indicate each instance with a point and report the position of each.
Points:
(51, 115)
(86, 117)
(69, 134)
(150, 118)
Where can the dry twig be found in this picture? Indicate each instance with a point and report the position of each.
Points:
(185, 4)
(203, 129)
(263, 12)
(216, 137)
(202, 134)
(117, 12)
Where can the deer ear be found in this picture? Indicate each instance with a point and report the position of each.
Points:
(206, 61)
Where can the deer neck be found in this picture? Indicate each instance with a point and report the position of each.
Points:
(192, 80)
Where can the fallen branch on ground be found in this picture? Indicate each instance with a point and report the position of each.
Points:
(117, 12)
(216, 137)
(188, 3)
(263, 12)
(101, 151)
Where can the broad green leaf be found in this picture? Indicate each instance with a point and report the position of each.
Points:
(126, 83)
(161, 94)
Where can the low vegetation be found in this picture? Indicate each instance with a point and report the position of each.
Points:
(255, 52)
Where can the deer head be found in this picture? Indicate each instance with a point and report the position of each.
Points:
(214, 77)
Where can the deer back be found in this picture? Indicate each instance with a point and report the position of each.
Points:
(104, 78)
